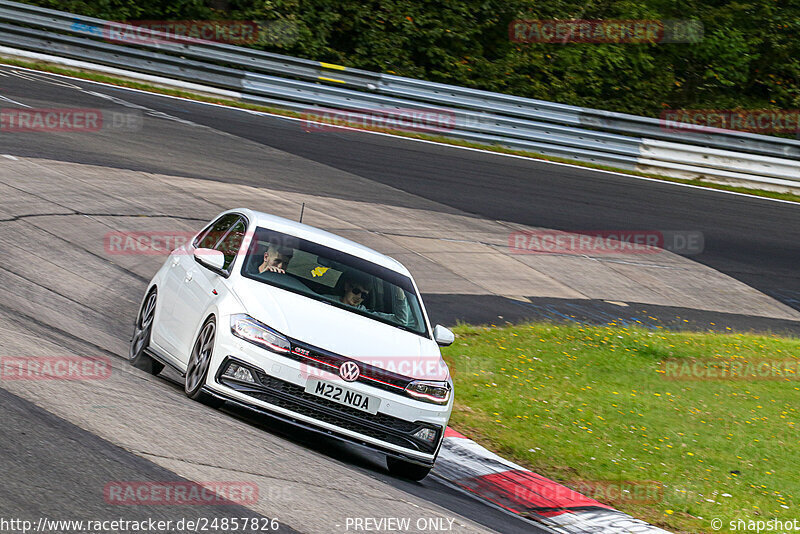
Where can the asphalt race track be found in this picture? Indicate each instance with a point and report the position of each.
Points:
(752, 240)
(63, 298)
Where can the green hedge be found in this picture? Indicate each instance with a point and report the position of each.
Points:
(748, 58)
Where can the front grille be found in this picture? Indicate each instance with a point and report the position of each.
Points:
(294, 398)
(314, 357)
(388, 421)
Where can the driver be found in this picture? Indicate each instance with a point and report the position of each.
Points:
(276, 259)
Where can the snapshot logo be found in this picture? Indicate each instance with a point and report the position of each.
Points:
(373, 367)
(758, 525)
(716, 120)
(630, 31)
(235, 32)
(607, 492)
(180, 493)
(429, 120)
(54, 368)
(71, 120)
(734, 369)
(593, 242)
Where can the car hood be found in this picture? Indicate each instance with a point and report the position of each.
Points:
(343, 332)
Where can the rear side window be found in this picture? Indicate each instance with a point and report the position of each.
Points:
(215, 231)
(226, 235)
(229, 243)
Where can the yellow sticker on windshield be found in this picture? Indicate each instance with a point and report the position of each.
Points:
(318, 271)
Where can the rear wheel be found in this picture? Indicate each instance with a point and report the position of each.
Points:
(199, 362)
(141, 337)
(404, 469)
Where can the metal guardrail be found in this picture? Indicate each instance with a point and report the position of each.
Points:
(549, 128)
(583, 117)
(241, 57)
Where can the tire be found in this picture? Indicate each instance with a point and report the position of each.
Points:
(199, 362)
(141, 337)
(407, 470)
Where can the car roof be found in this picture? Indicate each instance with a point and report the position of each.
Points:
(322, 237)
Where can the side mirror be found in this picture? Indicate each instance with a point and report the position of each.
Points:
(208, 257)
(443, 336)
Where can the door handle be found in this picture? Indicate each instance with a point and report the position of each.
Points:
(188, 277)
(175, 261)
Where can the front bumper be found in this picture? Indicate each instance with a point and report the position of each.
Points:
(280, 392)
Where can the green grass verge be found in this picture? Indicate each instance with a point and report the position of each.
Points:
(94, 76)
(591, 407)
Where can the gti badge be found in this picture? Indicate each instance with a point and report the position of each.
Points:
(349, 371)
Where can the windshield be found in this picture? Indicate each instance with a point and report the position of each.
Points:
(334, 277)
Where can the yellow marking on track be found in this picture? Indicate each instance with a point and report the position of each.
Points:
(323, 78)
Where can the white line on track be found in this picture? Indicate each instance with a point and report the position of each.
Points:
(146, 110)
(500, 154)
(14, 101)
(38, 76)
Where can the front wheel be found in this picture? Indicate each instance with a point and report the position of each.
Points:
(141, 337)
(404, 469)
(199, 362)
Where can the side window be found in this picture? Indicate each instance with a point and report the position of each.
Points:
(216, 230)
(231, 242)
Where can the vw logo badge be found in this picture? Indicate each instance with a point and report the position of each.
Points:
(349, 371)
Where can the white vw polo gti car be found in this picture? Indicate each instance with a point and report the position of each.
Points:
(309, 327)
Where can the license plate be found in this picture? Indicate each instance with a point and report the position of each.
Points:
(348, 397)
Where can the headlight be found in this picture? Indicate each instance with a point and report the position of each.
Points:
(247, 328)
(435, 392)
